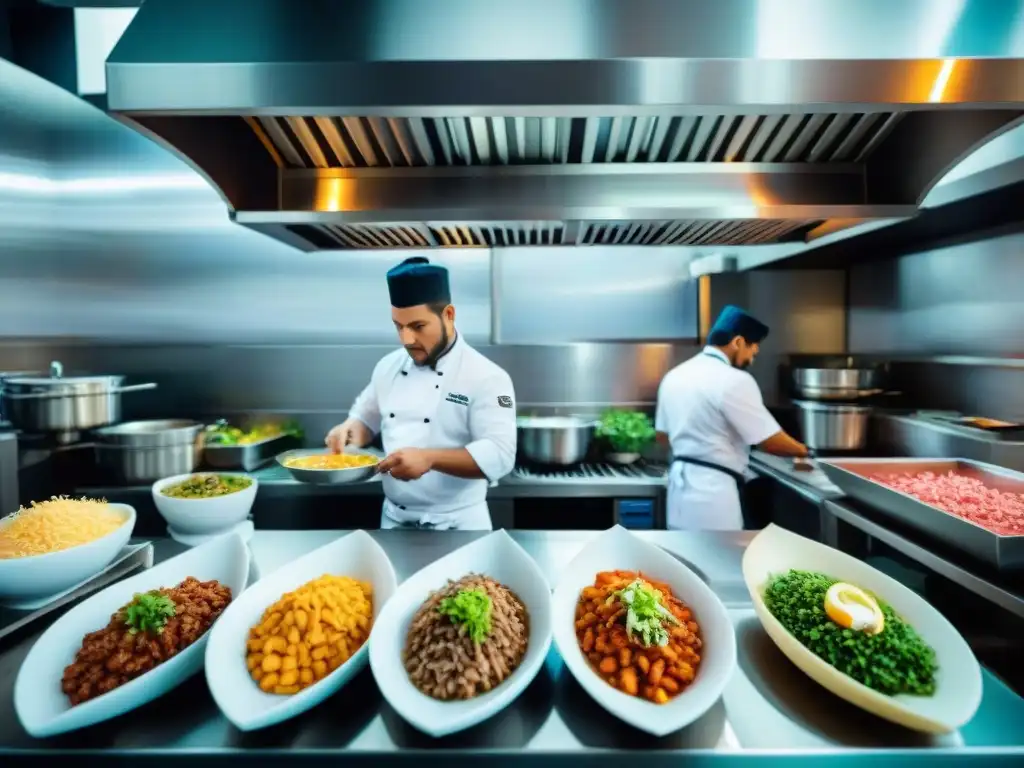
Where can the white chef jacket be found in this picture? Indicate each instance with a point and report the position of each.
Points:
(465, 401)
(714, 412)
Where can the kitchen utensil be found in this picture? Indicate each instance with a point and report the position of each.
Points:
(837, 383)
(355, 555)
(854, 478)
(29, 578)
(250, 456)
(328, 476)
(833, 426)
(144, 451)
(618, 549)
(64, 404)
(203, 515)
(501, 558)
(957, 696)
(555, 439)
(42, 707)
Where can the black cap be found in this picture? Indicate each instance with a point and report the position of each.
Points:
(733, 322)
(416, 281)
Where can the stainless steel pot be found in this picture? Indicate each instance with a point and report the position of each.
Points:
(144, 451)
(4, 376)
(837, 383)
(555, 439)
(833, 427)
(59, 404)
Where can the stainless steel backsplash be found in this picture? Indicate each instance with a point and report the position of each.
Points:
(117, 257)
(961, 306)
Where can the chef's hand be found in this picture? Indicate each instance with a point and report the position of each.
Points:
(350, 432)
(406, 464)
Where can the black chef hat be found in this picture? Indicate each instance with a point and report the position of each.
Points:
(416, 281)
(733, 322)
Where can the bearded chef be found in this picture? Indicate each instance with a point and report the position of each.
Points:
(446, 414)
(710, 413)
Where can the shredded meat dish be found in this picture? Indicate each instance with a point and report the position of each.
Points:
(114, 655)
(444, 662)
(1001, 512)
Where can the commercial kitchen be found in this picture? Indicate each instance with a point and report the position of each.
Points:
(200, 199)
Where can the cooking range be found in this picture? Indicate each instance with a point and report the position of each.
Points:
(596, 472)
(587, 495)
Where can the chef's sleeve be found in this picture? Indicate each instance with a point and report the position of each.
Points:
(660, 415)
(746, 413)
(492, 427)
(366, 409)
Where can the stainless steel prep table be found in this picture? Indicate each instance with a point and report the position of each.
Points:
(285, 503)
(770, 714)
(275, 481)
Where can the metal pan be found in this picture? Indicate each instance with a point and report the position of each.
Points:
(250, 456)
(328, 476)
(853, 477)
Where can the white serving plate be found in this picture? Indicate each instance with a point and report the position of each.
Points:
(958, 682)
(218, 514)
(24, 579)
(618, 549)
(42, 707)
(499, 557)
(356, 555)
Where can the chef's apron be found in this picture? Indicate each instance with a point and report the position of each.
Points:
(414, 432)
(473, 518)
(723, 512)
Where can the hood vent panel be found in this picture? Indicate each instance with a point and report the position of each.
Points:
(379, 142)
(474, 123)
(581, 233)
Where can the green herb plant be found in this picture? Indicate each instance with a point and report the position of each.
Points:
(470, 608)
(149, 612)
(625, 431)
(894, 661)
(646, 614)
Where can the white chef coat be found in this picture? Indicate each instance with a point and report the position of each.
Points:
(465, 401)
(714, 412)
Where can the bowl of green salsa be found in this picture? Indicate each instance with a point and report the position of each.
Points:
(205, 502)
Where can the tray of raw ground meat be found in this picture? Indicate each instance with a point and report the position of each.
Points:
(974, 507)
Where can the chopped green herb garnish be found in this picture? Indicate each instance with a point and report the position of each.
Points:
(470, 608)
(646, 614)
(148, 612)
(894, 661)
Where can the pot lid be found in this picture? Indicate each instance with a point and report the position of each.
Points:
(57, 378)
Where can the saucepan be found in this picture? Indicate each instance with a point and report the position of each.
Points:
(555, 439)
(321, 468)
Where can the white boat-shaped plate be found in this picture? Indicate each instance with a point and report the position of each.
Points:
(775, 551)
(42, 707)
(495, 555)
(618, 549)
(357, 556)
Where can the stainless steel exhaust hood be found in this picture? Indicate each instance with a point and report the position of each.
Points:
(448, 123)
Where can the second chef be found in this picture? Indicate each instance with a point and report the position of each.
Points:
(446, 414)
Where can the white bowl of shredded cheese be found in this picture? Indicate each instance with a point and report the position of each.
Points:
(57, 544)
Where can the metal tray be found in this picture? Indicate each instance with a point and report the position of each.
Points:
(248, 457)
(329, 476)
(853, 477)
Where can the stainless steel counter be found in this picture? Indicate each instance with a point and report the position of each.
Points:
(593, 480)
(769, 715)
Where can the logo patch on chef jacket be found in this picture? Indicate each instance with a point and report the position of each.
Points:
(504, 401)
(457, 399)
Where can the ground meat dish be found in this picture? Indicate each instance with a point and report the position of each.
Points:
(113, 656)
(1001, 512)
(444, 662)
